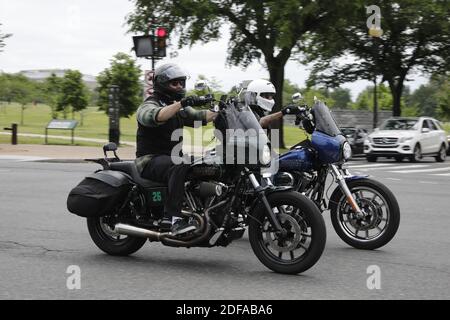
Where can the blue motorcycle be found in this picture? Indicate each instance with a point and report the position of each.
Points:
(364, 212)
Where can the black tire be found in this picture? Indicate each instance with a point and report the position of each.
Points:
(306, 219)
(399, 159)
(371, 158)
(340, 208)
(417, 155)
(105, 240)
(442, 154)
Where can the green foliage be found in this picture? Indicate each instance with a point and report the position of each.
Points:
(52, 90)
(415, 38)
(2, 38)
(342, 98)
(433, 98)
(124, 73)
(365, 99)
(73, 93)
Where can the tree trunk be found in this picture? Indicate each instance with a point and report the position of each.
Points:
(22, 114)
(276, 71)
(396, 88)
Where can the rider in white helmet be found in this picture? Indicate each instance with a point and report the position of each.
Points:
(260, 96)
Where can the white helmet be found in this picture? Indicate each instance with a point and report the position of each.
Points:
(262, 93)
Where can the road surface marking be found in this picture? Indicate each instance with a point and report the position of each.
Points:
(422, 170)
(441, 174)
(370, 165)
(400, 167)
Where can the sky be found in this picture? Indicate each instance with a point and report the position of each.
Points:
(85, 34)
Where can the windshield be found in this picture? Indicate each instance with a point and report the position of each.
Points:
(324, 120)
(241, 124)
(400, 124)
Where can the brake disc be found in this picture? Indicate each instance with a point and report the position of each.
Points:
(294, 234)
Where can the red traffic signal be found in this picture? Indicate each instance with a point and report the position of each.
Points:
(161, 32)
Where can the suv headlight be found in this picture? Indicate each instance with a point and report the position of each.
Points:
(347, 151)
(266, 155)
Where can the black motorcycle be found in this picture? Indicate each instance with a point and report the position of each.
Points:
(224, 196)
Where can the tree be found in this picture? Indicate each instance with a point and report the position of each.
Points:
(73, 93)
(364, 101)
(443, 96)
(124, 73)
(433, 98)
(341, 97)
(270, 31)
(52, 91)
(2, 38)
(415, 38)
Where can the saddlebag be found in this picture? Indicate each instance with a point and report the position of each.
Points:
(99, 194)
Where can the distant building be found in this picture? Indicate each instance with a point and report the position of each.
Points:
(41, 75)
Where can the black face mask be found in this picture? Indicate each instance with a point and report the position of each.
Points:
(169, 97)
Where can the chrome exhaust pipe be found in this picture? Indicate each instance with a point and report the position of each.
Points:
(128, 230)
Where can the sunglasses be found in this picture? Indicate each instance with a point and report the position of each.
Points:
(176, 83)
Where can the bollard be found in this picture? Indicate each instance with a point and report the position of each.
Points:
(14, 133)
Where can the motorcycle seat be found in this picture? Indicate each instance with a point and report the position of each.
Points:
(129, 167)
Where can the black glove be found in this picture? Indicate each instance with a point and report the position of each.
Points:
(290, 110)
(192, 101)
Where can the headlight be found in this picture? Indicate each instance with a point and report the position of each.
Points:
(404, 139)
(347, 151)
(266, 155)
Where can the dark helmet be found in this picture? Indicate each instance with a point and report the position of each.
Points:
(163, 76)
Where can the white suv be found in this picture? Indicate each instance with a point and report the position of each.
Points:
(410, 138)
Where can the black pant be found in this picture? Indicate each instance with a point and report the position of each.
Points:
(161, 169)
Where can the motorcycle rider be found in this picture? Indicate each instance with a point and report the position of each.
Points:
(167, 110)
(260, 96)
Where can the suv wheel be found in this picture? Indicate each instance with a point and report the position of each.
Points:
(371, 158)
(441, 155)
(417, 155)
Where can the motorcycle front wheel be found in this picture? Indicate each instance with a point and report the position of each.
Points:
(111, 242)
(381, 214)
(304, 242)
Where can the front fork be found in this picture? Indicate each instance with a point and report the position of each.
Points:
(340, 180)
(262, 197)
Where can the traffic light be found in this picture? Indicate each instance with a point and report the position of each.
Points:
(160, 42)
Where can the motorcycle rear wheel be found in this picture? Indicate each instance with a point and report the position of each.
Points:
(382, 214)
(111, 242)
(306, 238)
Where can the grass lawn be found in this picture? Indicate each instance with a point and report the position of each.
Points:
(4, 139)
(96, 125)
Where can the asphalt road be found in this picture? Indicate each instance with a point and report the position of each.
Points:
(40, 240)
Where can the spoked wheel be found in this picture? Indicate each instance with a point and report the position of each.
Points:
(303, 240)
(381, 215)
(104, 236)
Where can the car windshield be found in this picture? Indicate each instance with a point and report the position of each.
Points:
(400, 124)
